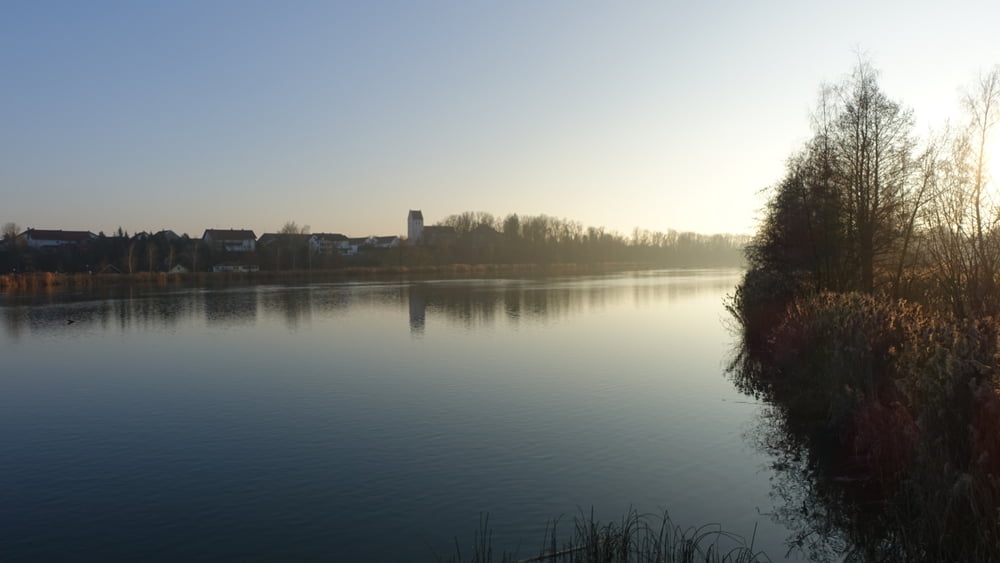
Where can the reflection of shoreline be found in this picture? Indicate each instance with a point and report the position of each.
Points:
(485, 303)
(39, 283)
(469, 303)
(830, 517)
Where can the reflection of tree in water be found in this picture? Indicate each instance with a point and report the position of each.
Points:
(824, 491)
(124, 311)
(230, 307)
(147, 312)
(830, 518)
(468, 303)
(418, 310)
(682, 285)
(295, 305)
(15, 320)
(476, 304)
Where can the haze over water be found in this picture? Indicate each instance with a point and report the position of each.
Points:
(369, 421)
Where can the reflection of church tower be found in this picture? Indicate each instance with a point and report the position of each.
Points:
(415, 227)
(418, 310)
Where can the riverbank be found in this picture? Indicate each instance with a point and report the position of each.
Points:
(48, 281)
(894, 407)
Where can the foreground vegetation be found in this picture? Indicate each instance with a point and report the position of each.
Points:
(868, 315)
(636, 538)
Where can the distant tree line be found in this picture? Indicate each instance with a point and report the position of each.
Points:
(484, 238)
(868, 313)
(478, 238)
(118, 252)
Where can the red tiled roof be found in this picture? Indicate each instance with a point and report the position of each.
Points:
(54, 234)
(230, 234)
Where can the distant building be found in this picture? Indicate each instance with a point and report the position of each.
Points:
(391, 241)
(415, 227)
(230, 240)
(356, 244)
(330, 243)
(417, 233)
(234, 267)
(47, 238)
(287, 240)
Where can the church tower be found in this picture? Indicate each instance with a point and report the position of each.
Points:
(415, 227)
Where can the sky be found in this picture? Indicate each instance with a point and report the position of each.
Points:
(187, 115)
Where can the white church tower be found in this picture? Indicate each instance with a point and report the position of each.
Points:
(415, 227)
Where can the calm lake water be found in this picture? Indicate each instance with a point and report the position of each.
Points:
(369, 421)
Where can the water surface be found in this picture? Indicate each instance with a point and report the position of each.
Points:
(369, 421)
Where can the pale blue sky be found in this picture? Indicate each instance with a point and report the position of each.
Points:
(344, 115)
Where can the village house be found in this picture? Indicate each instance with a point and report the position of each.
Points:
(391, 241)
(284, 239)
(356, 244)
(234, 267)
(330, 243)
(48, 238)
(230, 240)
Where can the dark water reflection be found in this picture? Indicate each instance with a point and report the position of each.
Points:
(830, 515)
(368, 421)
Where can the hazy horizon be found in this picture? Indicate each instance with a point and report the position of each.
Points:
(308, 229)
(342, 116)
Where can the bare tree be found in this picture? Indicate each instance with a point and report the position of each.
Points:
(10, 231)
(873, 143)
(293, 228)
(130, 257)
(150, 255)
(964, 221)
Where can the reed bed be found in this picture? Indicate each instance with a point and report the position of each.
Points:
(49, 281)
(633, 539)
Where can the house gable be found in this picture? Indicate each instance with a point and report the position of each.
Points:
(48, 238)
(230, 240)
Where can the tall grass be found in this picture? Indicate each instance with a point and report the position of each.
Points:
(633, 539)
(897, 409)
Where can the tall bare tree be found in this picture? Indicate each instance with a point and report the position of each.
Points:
(845, 215)
(963, 230)
(873, 143)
